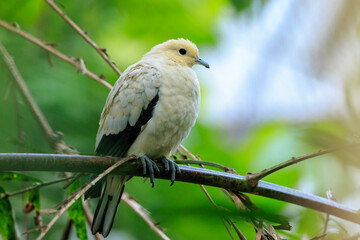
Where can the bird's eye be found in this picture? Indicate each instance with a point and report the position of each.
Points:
(182, 51)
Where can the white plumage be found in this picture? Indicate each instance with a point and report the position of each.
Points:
(164, 79)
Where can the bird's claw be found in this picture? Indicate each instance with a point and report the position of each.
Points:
(147, 163)
(172, 167)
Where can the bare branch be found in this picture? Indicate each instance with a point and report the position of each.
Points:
(201, 163)
(185, 161)
(47, 130)
(80, 193)
(67, 230)
(144, 214)
(54, 139)
(89, 219)
(224, 168)
(73, 61)
(35, 186)
(253, 178)
(235, 183)
(83, 34)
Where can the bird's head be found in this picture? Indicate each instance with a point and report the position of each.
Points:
(181, 51)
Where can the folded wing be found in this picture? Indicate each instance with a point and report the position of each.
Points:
(128, 108)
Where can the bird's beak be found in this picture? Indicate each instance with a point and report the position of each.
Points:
(202, 62)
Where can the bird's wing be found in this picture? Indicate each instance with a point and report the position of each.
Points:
(128, 107)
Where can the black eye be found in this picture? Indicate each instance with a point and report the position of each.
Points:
(182, 51)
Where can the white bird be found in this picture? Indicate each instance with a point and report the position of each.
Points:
(149, 111)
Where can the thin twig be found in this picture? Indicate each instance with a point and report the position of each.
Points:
(76, 62)
(83, 34)
(67, 230)
(73, 178)
(89, 219)
(232, 196)
(20, 135)
(80, 193)
(327, 218)
(204, 189)
(35, 186)
(319, 237)
(224, 168)
(48, 211)
(200, 162)
(217, 207)
(144, 214)
(253, 178)
(239, 233)
(20, 140)
(47, 130)
(33, 230)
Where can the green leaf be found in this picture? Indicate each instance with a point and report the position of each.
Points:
(76, 213)
(32, 200)
(32, 197)
(7, 227)
(19, 177)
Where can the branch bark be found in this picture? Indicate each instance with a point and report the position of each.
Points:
(101, 51)
(78, 63)
(95, 164)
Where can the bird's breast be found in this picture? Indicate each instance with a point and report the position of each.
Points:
(173, 116)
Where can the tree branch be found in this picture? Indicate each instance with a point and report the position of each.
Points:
(184, 161)
(144, 214)
(34, 186)
(253, 178)
(89, 219)
(79, 193)
(24, 91)
(76, 62)
(95, 164)
(83, 34)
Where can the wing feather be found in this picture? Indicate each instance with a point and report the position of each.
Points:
(128, 107)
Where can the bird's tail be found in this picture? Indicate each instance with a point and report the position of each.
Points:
(111, 192)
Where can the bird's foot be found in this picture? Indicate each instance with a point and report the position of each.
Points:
(149, 164)
(172, 167)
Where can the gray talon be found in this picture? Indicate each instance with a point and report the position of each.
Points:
(172, 167)
(166, 164)
(143, 165)
(151, 165)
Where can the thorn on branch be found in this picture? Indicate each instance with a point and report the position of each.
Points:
(104, 51)
(58, 136)
(16, 25)
(82, 66)
(52, 44)
(60, 4)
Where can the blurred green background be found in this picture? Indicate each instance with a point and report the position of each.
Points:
(246, 142)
